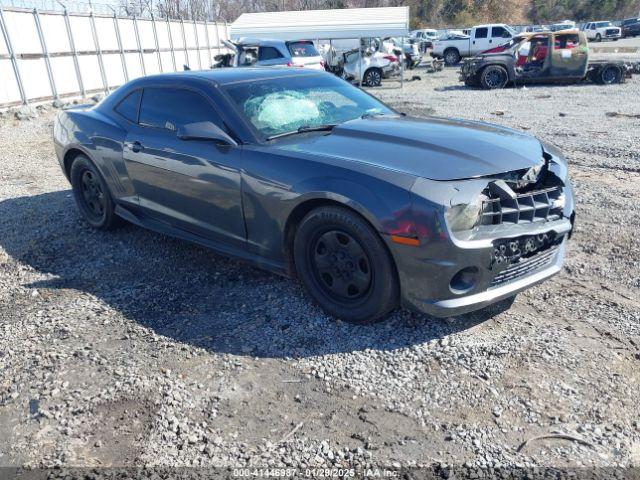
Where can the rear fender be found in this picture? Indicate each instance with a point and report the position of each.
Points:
(76, 131)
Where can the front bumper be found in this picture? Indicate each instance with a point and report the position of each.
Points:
(427, 273)
(469, 303)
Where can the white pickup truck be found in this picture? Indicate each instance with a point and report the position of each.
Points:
(599, 31)
(453, 47)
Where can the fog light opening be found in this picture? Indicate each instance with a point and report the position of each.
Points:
(464, 281)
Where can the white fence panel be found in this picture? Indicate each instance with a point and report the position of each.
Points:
(151, 63)
(113, 69)
(82, 34)
(106, 33)
(54, 30)
(79, 54)
(90, 71)
(133, 65)
(21, 27)
(147, 40)
(64, 72)
(4, 50)
(9, 92)
(163, 35)
(176, 34)
(128, 34)
(34, 78)
(213, 35)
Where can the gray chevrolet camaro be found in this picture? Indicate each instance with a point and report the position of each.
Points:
(303, 174)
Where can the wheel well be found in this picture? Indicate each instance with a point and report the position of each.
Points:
(68, 160)
(372, 68)
(449, 49)
(296, 216)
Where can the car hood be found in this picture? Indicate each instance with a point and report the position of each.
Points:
(434, 148)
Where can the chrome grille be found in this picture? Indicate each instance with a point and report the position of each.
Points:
(532, 206)
(525, 266)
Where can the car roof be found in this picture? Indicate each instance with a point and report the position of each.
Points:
(547, 33)
(223, 76)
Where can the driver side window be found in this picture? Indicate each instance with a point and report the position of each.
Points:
(170, 108)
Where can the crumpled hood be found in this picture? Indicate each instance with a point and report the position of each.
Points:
(434, 148)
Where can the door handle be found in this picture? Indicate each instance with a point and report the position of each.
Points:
(135, 147)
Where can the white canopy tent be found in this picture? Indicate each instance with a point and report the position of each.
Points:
(336, 24)
(326, 24)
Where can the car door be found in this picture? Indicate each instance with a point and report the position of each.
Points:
(193, 185)
(480, 40)
(570, 55)
(499, 35)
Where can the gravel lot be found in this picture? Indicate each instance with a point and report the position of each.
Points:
(131, 348)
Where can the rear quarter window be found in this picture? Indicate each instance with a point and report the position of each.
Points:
(268, 53)
(302, 49)
(482, 32)
(128, 106)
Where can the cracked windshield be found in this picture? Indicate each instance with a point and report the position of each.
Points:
(280, 105)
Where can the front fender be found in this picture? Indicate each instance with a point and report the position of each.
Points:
(381, 205)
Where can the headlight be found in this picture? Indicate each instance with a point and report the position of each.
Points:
(465, 216)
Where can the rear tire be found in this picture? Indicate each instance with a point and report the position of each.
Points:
(493, 77)
(609, 75)
(373, 77)
(344, 265)
(451, 57)
(92, 195)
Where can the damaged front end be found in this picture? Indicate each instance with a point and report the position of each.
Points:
(485, 239)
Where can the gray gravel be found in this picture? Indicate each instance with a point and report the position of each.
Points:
(131, 348)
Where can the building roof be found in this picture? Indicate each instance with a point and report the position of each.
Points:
(324, 24)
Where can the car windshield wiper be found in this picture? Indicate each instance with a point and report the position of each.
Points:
(372, 114)
(306, 128)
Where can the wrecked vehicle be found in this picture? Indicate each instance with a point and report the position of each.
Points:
(540, 57)
(297, 171)
(369, 66)
(260, 52)
(409, 50)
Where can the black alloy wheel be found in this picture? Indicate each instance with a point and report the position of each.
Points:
(92, 195)
(94, 198)
(493, 77)
(610, 75)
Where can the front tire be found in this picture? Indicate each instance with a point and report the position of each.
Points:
(344, 265)
(598, 38)
(494, 76)
(92, 195)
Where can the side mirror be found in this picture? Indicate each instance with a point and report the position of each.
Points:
(205, 131)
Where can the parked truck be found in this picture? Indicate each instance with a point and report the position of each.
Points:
(542, 57)
(453, 48)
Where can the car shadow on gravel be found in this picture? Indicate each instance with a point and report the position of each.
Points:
(189, 293)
